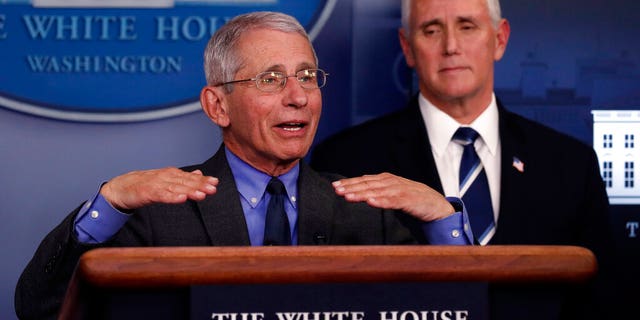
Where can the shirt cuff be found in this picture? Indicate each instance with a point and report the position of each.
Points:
(450, 230)
(98, 221)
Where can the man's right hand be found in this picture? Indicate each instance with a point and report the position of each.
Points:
(137, 189)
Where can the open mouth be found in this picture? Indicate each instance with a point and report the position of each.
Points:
(292, 126)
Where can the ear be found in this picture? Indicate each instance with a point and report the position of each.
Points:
(214, 104)
(406, 48)
(502, 38)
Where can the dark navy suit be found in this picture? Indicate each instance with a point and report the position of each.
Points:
(558, 199)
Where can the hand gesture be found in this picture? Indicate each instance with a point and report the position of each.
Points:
(389, 191)
(169, 185)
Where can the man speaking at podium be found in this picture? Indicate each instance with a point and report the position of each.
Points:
(263, 90)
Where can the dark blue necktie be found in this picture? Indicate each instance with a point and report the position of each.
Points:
(276, 227)
(474, 187)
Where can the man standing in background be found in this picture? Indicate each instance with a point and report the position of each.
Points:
(522, 183)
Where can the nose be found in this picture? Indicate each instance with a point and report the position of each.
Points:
(450, 43)
(293, 94)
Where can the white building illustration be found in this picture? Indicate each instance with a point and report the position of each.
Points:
(616, 140)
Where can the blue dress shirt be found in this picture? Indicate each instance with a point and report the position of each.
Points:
(252, 185)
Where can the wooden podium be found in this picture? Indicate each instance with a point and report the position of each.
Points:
(167, 273)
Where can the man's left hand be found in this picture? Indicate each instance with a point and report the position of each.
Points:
(389, 191)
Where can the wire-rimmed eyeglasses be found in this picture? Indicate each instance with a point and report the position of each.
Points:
(274, 81)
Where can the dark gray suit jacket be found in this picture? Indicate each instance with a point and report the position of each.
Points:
(323, 218)
(559, 199)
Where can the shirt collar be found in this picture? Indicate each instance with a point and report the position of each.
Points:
(441, 126)
(252, 183)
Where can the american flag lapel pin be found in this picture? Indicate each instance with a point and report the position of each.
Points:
(518, 164)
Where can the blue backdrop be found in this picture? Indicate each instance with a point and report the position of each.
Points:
(564, 59)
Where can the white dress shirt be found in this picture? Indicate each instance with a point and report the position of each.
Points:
(447, 154)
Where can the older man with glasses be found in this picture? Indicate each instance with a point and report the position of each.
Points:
(264, 92)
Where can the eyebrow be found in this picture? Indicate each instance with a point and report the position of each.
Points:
(431, 22)
(467, 19)
(440, 22)
(306, 65)
(280, 67)
(274, 67)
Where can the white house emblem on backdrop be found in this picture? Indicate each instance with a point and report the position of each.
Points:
(118, 60)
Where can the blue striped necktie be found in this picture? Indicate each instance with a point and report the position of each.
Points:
(474, 187)
(276, 227)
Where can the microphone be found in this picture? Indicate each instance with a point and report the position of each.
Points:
(319, 238)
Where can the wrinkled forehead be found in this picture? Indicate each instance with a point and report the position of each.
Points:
(448, 8)
(273, 50)
(416, 12)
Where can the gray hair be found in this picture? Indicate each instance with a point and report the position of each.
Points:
(222, 61)
(493, 5)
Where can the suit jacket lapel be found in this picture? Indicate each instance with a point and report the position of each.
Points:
(222, 213)
(513, 182)
(315, 207)
(412, 149)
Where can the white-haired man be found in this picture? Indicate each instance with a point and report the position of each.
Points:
(525, 183)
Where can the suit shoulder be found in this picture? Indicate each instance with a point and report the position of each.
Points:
(365, 136)
(379, 126)
(538, 133)
(371, 147)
